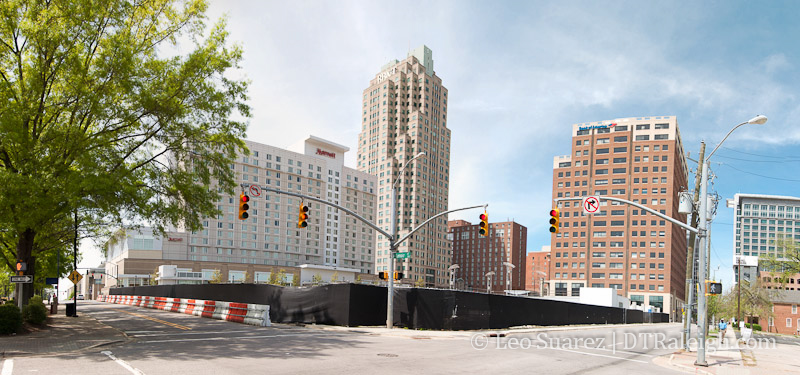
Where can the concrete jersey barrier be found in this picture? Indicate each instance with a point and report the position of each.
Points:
(247, 313)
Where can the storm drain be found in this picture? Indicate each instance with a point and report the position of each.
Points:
(389, 355)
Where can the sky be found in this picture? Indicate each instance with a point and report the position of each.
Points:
(520, 73)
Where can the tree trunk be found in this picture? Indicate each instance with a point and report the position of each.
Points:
(25, 254)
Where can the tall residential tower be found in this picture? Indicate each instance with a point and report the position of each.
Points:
(639, 159)
(404, 112)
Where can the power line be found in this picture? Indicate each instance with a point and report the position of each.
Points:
(760, 175)
(765, 156)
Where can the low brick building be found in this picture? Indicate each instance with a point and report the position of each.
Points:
(786, 319)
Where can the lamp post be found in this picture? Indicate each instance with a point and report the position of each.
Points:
(452, 270)
(702, 232)
(394, 244)
(541, 282)
(509, 267)
(489, 281)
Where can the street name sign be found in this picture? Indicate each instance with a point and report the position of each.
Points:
(25, 279)
(75, 277)
(403, 255)
(590, 205)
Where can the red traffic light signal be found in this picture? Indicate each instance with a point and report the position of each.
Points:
(555, 217)
(243, 206)
(483, 227)
(302, 217)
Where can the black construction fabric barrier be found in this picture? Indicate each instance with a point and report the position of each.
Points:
(365, 305)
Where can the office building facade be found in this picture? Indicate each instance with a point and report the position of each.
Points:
(404, 112)
(476, 255)
(640, 255)
(764, 226)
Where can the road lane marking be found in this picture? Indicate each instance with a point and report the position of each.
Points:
(122, 363)
(8, 367)
(598, 355)
(187, 333)
(228, 338)
(155, 320)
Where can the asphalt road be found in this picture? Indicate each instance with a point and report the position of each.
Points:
(172, 343)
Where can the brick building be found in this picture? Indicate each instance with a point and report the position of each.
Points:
(477, 256)
(786, 319)
(537, 264)
(639, 159)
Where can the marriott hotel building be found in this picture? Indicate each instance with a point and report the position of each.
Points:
(642, 256)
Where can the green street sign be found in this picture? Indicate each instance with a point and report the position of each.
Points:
(404, 255)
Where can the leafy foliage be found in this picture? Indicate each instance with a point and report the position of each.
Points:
(35, 311)
(104, 123)
(216, 277)
(10, 318)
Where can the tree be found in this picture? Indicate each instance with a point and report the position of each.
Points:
(246, 277)
(785, 263)
(216, 278)
(358, 279)
(153, 277)
(335, 276)
(277, 278)
(420, 283)
(316, 279)
(96, 127)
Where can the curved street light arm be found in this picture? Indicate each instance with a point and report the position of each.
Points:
(723, 139)
(431, 218)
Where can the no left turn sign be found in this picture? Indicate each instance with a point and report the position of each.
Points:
(255, 190)
(590, 205)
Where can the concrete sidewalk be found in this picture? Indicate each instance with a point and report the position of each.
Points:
(62, 334)
(735, 357)
(417, 334)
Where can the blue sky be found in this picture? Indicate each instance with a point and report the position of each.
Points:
(520, 73)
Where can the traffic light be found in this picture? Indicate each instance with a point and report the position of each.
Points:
(483, 227)
(385, 275)
(20, 267)
(243, 206)
(302, 218)
(554, 219)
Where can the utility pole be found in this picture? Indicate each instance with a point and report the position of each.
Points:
(687, 324)
(739, 290)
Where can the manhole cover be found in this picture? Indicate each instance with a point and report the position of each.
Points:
(420, 338)
(390, 355)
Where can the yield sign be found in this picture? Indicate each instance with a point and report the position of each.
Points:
(590, 205)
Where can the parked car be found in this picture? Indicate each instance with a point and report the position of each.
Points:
(80, 296)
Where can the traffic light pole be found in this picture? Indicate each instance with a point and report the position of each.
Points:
(393, 241)
(648, 209)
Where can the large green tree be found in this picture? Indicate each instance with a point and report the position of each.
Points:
(112, 112)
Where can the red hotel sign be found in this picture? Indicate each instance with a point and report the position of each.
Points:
(326, 153)
(174, 239)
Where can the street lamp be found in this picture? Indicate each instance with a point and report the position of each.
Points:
(394, 244)
(509, 267)
(702, 232)
(541, 282)
(452, 270)
(489, 281)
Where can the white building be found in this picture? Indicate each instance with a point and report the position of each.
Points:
(762, 224)
(269, 239)
(270, 235)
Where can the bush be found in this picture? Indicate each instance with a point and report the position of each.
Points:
(756, 327)
(34, 312)
(10, 318)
